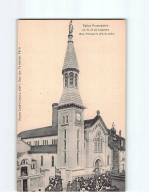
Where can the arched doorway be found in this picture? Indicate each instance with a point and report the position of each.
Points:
(98, 166)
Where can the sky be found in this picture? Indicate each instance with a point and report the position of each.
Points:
(101, 55)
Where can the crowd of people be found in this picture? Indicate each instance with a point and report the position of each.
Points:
(55, 185)
(80, 184)
(92, 184)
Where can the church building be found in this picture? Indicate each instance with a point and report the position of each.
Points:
(72, 146)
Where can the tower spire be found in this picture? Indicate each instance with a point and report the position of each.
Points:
(70, 57)
(70, 71)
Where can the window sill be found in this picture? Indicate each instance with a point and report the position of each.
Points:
(66, 124)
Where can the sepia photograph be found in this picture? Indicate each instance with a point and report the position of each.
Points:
(71, 105)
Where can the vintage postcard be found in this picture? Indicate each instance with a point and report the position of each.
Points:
(71, 105)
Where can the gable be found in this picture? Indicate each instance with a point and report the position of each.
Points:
(96, 124)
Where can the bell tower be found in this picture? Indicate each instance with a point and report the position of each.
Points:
(71, 153)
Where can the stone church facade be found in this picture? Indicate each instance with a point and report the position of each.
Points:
(72, 146)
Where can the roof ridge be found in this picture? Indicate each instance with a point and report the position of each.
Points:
(34, 129)
(39, 132)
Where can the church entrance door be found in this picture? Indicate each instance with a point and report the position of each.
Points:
(98, 166)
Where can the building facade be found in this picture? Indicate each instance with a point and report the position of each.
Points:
(30, 176)
(72, 146)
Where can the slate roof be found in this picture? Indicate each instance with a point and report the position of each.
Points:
(43, 149)
(40, 132)
(71, 96)
(70, 60)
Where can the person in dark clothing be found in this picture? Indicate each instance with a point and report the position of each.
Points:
(69, 187)
(96, 183)
(55, 185)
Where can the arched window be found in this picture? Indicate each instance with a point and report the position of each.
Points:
(71, 75)
(76, 80)
(63, 119)
(66, 80)
(101, 144)
(24, 162)
(52, 161)
(66, 118)
(97, 142)
(33, 166)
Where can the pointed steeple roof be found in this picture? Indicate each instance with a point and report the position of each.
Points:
(70, 57)
(70, 96)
